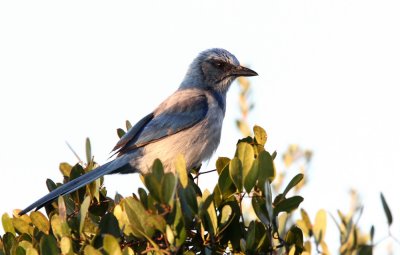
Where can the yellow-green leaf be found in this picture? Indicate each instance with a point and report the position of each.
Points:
(40, 221)
(89, 250)
(84, 210)
(260, 135)
(65, 169)
(180, 166)
(31, 251)
(66, 246)
(111, 245)
(7, 224)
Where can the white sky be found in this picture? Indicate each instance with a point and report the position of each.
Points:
(329, 81)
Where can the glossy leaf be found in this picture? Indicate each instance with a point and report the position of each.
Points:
(7, 224)
(266, 169)
(245, 153)
(295, 180)
(268, 200)
(83, 212)
(221, 163)
(168, 187)
(65, 169)
(250, 177)
(88, 151)
(89, 250)
(386, 208)
(236, 173)
(111, 245)
(154, 186)
(40, 221)
(48, 245)
(66, 246)
(260, 135)
(180, 166)
(288, 205)
(225, 183)
(120, 132)
(109, 225)
(225, 214)
(260, 209)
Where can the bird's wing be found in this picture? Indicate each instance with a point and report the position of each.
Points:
(175, 115)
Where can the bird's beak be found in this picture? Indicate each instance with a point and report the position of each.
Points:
(243, 71)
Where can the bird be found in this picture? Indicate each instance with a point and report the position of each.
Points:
(188, 122)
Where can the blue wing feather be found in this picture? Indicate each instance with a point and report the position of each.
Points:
(182, 115)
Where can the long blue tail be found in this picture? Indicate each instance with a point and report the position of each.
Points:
(108, 168)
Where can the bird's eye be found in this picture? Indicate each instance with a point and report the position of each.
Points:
(219, 64)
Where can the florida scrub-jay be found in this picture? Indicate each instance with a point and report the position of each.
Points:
(188, 122)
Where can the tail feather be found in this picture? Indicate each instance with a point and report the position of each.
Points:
(79, 182)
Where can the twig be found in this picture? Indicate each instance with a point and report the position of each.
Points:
(205, 172)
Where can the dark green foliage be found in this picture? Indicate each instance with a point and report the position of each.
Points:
(172, 216)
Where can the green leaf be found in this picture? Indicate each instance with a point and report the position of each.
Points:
(288, 204)
(9, 241)
(50, 185)
(128, 124)
(387, 210)
(137, 218)
(168, 187)
(109, 225)
(48, 246)
(259, 207)
(154, 186)
(188, 202)
(251, 237)
(7, 224)
(40, 221)
(295, 237)
(260, 135)
(245, 153)
(83, 212)
(180, 166)
(120, 132)
(158, 170)
(225, 183)
(266, 169)
(268, 201)
(236, 173)
(111, 245)
(293, 183)
(88, 151)
(250, 177)
(221, 163)
(20, 251)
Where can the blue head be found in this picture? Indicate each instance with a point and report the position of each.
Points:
(214, 69)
